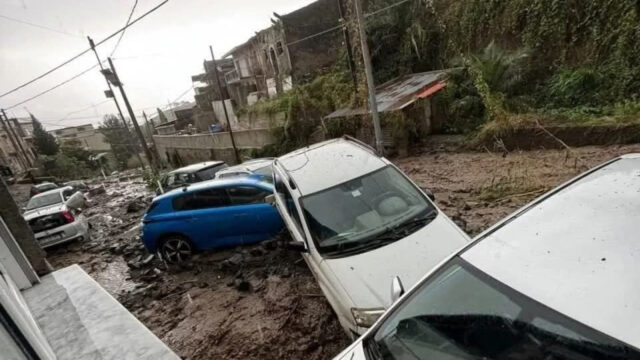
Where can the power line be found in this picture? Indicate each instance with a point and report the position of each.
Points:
(81, 110)
(125, 26)
(39, 26)
(83, 52)
(52, 88)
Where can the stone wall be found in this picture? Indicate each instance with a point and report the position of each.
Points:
(179, 150)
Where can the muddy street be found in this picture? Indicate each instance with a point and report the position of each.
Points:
(261, 302)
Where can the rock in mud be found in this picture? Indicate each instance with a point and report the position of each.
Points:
(242, 285)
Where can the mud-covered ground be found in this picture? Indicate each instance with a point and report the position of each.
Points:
(261, 302)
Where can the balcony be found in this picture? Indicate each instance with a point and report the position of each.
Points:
(232, 76)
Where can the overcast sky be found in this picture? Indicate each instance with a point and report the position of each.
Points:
(155, 59)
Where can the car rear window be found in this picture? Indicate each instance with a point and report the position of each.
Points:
(242, 195)
(204, 199)
(210, 172)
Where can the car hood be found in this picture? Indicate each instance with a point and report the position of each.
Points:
(366, 277)
(31, 214)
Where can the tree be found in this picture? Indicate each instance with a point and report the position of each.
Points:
(45, 143)
(120, 138)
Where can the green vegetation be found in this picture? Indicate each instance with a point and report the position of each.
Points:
(70, 163)
(123, 143)
(44, 142)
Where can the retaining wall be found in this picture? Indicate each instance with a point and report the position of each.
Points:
(187, 149)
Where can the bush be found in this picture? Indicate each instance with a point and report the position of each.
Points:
(572, 87)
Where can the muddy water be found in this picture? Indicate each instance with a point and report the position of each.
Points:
(114, 277)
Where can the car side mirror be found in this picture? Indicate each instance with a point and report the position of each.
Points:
(297, 246)
(397, 290)
(270, 199)
(429, 194)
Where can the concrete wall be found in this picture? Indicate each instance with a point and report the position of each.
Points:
(187, 149)
(260, 121)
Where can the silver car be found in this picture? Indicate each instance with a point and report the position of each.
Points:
(556, 280)
(55, 216)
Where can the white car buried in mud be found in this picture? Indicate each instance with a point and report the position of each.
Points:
(54, 216)
(359, 222)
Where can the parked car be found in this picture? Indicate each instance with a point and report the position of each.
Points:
(210, 215)
(42, 187)
(258, 167)
(55, 216)
(359, 221)
(77, 185)
(190, 175)
(557, 279)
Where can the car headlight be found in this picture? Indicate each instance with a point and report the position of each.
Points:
(366, 317)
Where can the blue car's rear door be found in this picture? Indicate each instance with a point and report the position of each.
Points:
(209, 220)
(259, 220)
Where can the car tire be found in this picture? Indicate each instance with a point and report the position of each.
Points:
(176, 249)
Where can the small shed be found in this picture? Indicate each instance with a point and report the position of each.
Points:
(410, 94)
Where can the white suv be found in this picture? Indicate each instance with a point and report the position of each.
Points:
(359, 222)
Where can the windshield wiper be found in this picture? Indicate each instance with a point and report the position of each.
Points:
(409, 226)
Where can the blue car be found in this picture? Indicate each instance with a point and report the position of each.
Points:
(210, 215)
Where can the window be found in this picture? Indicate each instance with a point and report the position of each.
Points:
(279, 48)
(44, 200)
(210, 172)
(285, 195)
(231, 174)
(204, 199)
(461, 313)
(380, 204)
(66, 194)
(178, 179)
(242, 195)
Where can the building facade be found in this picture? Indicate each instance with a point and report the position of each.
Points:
(16, 147)
(294, 47)
(84, 136)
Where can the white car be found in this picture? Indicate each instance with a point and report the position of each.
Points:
(261, 167)
(359, 221)
(55, 216)
(558, 279)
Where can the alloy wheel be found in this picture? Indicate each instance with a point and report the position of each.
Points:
(176, 250)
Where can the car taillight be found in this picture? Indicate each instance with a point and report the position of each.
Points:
(68, 217)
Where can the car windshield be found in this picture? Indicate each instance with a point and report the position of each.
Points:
(210, 172)
(44, 200)
(266, 172)
(464, 314)
(46, 187)
(366, 212)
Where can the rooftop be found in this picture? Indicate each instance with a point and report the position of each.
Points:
(401, 92)
(578, 242)
(328, 163)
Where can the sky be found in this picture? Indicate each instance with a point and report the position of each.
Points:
(155, 59)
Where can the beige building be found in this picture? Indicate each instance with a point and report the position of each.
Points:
(85, 136)
(12, 155)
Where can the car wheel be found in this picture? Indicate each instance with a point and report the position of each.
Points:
(176, 249)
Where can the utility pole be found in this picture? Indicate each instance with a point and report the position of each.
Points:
(18, 138)
(153, 141)
(112, 76)
(115, 100)
(224, 106)
(368, 70)
(347, 44)
(4, 121)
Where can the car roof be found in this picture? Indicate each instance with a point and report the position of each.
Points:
(326, 164)
(196, 167)
(249, 165)
(60, 189)
(212, 184)
(576, 249)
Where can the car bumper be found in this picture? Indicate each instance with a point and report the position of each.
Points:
(79, 229)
